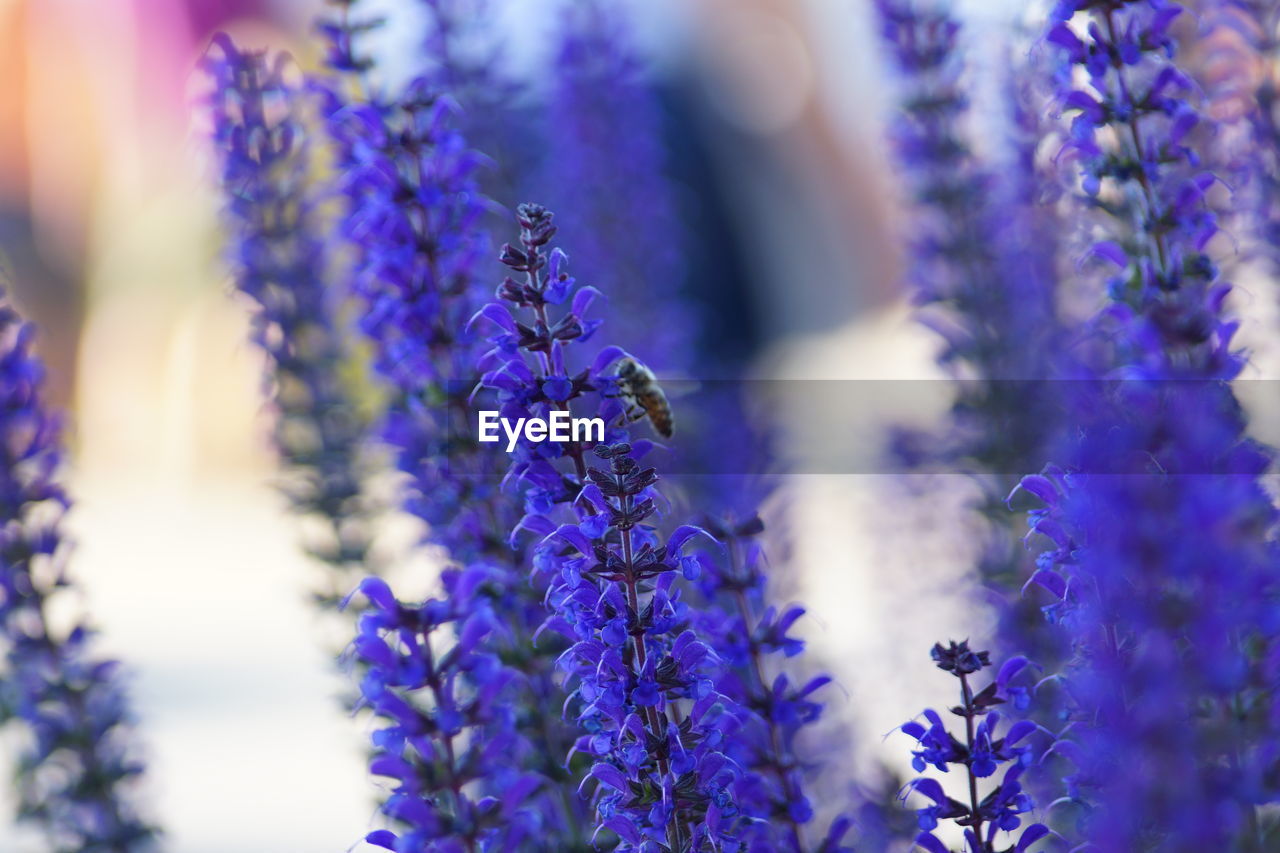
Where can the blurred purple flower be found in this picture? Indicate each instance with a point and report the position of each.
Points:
(1238, 70)
(981, 263)
(77, 764)
(277, 254)
(1159, 560)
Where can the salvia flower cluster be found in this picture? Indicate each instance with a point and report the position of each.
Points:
(413, 217)
(280, 264)
(449, 719)
(748, 633)
(78, 765)
(658, 780)
(645, 682)
(1160, 555)
(983, 752)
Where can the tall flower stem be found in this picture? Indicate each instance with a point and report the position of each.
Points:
(780, 763)
(675, 831)
(969, 712)
(660, 776)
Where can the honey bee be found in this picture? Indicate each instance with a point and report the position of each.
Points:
(640, 388)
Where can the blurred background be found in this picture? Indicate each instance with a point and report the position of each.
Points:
(187, 558)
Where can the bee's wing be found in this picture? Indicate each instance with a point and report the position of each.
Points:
(679, 387)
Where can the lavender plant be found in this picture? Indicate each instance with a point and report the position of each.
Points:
(982, 264)
(281, 265)
(414, 217)
(980, 755)
(750, 635)
(79, 766)
(659, 778)
(981, 287)
(1159, 558)
(644, 684)
(448, 708)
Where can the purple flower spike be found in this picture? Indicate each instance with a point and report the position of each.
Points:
(414, 223)
(641, 685)
(750, 638)
(626, 230)
(446, 711)
(279, 263)
(77, 766)
(981, 256)
(982, 754)
(1156, 535)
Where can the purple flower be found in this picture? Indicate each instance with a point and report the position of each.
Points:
(1158, 562)
(984, 750)
(463, 59)
(447, 711)
(414, 220)
(981, 264)
(279, 261)
(677, 757)
(749, 636)
(78, 763)
(648, 711)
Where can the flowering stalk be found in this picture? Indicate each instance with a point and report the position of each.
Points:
(967, 255)
(1167, 622)
(981, 754)
(280, 265)
(644, 680)
(640, 690)
(77, 770)
(448, 714)
(749, 635)
(414, 218)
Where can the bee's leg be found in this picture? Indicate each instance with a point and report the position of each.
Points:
(634, 412)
